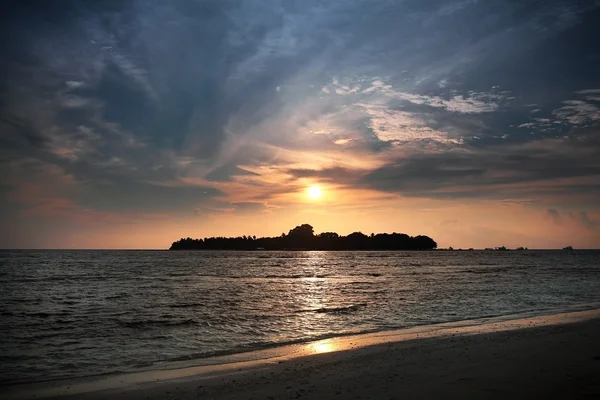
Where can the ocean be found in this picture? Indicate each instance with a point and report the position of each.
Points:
(70, 314)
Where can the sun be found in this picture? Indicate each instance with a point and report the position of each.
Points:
(314, 192)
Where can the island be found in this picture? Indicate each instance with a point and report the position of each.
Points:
(303, 238)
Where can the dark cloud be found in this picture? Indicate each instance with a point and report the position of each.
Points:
(141, 197)
(19, 133)
(425, 173)
(238, 207)
(495, 165)
(249, 207)
(225, 172)
(337, 175)
(553, 215)
(586, 221)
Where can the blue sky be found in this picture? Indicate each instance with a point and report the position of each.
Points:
(133, 123)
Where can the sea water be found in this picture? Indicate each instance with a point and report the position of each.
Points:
(77, 313)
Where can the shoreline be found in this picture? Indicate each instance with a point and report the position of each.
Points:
(226, 366)
(271, 350)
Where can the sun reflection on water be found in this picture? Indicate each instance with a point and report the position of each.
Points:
(313, 292)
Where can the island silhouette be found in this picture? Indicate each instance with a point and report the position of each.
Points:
(303, 237)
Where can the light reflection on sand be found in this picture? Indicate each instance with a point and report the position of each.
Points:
(323, 346)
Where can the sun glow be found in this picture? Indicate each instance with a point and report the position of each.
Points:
(314, 192)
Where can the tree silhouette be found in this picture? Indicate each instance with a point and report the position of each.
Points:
(302, 237)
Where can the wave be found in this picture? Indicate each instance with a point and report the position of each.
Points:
(341, 310)
(287, 276)
(117, 296)
(45, 335)
(489, 270)
(319, 276)
(149, 323)
(185, 305)
(65, 278)
(38, 314)
(253, 346)
(335, 310)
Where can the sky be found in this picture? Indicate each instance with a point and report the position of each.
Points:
(131, 124)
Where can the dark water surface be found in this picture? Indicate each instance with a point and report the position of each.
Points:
(76, 313)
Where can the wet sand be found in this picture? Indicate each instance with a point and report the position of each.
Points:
(555, 356)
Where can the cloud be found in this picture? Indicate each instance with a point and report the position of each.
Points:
(391, 125)
(80, 142)
(449, 223)
(337, 175)
(470, 103)
(137, 74)
(589, 91)
(426, 173)
(553, 215)
(577, 112)
(527, 125)
(592, 95)
(586, 221)
(74, 84)
(214, 209)
(342, 141)
(250, 207)
(573, 113)
(467, 172)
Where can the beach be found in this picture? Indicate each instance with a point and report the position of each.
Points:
(551, 356)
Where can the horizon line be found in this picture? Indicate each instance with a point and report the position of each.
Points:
(490, 249)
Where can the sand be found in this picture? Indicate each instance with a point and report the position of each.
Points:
(550, 357)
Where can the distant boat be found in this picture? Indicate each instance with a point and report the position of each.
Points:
(568, 248)
(521, 248)
(501, 248)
